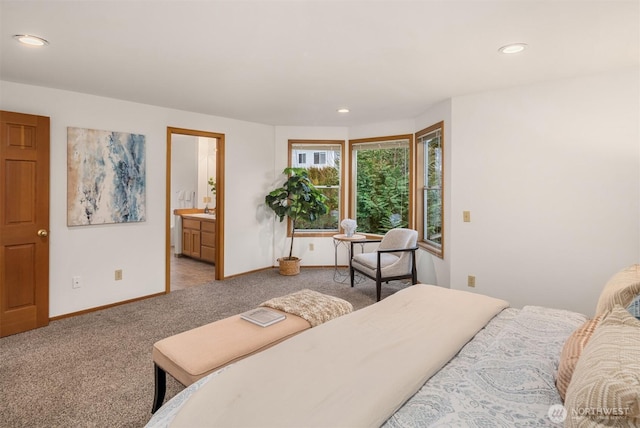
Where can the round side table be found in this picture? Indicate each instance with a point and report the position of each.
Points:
(342, 239)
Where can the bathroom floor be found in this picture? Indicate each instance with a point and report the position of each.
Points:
(187, 272)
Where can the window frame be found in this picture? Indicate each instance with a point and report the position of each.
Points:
(420, 188)
(353, 181)
(341, 196)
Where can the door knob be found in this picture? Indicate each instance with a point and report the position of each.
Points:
(43, 233)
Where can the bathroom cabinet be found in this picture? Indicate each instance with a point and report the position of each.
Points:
(199, 237)
(208, 240)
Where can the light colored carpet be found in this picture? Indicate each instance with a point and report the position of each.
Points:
(95, 370)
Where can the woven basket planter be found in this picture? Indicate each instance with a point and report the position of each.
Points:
(289, 266)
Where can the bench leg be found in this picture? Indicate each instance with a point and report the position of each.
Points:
(160, 377)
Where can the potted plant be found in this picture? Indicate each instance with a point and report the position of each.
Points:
(211, 183)
(297, 199)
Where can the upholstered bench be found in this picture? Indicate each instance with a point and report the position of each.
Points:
(195, 353)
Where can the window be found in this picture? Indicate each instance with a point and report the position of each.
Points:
(380, 177)
(320, 158)
(326, 174)
(430, 189)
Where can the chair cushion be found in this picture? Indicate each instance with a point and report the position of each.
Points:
(370, 260)
(393, 270)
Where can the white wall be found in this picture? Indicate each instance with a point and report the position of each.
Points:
(550, 175)
(382, 129)
(94, 252)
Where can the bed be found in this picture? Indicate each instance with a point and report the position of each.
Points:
(501, 370)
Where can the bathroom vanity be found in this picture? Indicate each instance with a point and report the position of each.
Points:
(199, 236)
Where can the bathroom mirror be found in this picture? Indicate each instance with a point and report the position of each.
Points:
(193, 162)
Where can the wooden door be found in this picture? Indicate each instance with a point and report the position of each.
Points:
(24, 222)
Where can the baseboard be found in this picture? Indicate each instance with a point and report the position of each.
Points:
(124, 302)
(99, 308)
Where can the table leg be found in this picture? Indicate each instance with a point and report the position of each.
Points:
(338, 275)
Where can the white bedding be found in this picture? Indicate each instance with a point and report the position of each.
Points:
(503, 377)
(355, 370)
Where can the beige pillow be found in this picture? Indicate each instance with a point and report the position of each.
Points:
(605, 386)
(620, 289)
(571, 352)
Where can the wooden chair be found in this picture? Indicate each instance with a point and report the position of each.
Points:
(395, 258)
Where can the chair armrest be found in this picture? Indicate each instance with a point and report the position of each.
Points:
(396, 250)
(364, 241)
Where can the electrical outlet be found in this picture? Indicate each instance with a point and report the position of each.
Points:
(466, 216)
(119, 275)
(311, 247)
(471, 281)
(76, 282)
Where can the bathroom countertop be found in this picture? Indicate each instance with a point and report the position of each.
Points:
(201, 216)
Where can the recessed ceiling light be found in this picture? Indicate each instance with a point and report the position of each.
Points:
(513, 48)
(30, 40)
(343, 110)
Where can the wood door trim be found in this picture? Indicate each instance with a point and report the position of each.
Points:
(220, 140)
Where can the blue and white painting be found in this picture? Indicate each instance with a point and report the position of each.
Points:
(106, 177)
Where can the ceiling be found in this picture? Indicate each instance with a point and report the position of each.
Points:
(297, 62)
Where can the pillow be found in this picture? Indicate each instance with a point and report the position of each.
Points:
(634, 307)
(571, 351)
(605, 386)
(620, 289)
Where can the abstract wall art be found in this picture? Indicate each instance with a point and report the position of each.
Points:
(106, 177)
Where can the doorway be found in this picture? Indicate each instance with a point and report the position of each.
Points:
(174, 139)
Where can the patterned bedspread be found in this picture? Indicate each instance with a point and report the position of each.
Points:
(504, 377)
